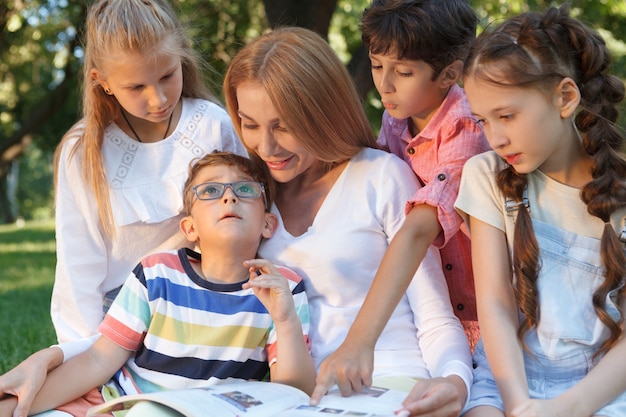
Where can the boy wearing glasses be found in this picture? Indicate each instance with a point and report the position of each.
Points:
(185, 319)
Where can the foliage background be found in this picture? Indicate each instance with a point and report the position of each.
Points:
(40, 57)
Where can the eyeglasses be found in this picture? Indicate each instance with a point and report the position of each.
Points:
(242, 189)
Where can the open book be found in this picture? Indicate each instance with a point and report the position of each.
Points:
(263, 399)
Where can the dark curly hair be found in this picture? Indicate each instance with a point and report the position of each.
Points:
(437, 32)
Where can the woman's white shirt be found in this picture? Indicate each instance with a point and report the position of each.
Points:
(338, 257)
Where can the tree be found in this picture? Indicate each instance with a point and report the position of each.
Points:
(32, 91)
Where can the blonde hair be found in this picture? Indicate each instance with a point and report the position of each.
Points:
(148, 27)
(309, 87)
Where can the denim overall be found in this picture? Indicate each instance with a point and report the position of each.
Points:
(569, 331)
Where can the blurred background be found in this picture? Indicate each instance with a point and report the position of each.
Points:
(40, 60)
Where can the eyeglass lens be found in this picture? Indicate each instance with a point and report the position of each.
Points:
(214, 190)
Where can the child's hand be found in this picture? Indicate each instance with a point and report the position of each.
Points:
(350, 367)
(540, 408)
(272, 289)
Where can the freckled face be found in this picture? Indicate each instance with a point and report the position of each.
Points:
(265, 133)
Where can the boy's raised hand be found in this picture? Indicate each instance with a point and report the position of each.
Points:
(293, 365)
(272, 289)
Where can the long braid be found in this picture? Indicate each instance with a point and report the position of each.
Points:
(539, 50)
(525, 251)
(600, 92)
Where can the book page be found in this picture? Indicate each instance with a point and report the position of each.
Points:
(374, 401)
(254, 399)
(264, 399)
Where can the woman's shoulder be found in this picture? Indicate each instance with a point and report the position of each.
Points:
(377, 156)
(385, 162)
(381, 169)
(371, 163)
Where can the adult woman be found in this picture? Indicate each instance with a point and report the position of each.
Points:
(339, 202)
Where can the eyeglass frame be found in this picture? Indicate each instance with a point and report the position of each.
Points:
(231, 185)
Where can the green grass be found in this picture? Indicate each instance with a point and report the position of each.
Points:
(27, 261)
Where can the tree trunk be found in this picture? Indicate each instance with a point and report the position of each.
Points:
(311, 14)
(6, 212)
(316, 15)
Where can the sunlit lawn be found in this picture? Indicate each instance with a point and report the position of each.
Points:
(27, 259)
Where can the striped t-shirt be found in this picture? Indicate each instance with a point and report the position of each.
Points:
(188, 332)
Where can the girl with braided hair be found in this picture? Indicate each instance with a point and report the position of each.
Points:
(546, 209)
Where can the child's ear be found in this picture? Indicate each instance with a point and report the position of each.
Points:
(271, 222)
(568, 96)
(96, 76)
(188, 228)
(451, 74)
